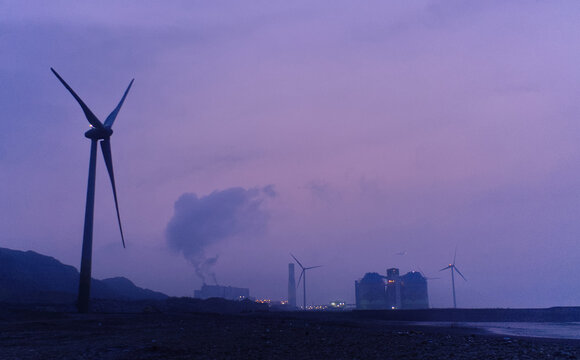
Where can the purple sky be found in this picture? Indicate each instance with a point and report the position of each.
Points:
(382, 127)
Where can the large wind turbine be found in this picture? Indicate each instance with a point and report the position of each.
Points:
(303, 274)
(454, 268)
(98, 131)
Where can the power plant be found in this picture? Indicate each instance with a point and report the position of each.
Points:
(414, 293)
(225, 292)
(370, 292)
(394, 288)
(379, 292)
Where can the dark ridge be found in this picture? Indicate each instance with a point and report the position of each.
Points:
(28, 277)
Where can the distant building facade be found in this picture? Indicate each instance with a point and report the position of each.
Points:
(370, 292)
(393, 288)
(225, 292)
(414, 291)
(378, 292)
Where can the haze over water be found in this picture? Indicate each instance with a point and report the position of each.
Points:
(344, 132)
(554, 330)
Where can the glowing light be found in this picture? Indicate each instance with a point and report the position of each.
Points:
(263, 301)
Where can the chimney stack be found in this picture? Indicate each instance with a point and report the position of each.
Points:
(291, 286)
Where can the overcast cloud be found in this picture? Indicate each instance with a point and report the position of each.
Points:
(384, 127)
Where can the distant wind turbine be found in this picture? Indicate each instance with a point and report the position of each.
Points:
(303, 274)
(98, 131)
(454, 268)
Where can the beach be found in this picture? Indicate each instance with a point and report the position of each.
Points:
(54, 335)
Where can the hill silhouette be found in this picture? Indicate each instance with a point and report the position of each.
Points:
(30, 277)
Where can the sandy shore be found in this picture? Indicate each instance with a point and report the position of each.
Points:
(255, 336)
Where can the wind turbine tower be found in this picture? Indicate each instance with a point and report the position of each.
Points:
(453, 269)
(303, 275)
(98, 132)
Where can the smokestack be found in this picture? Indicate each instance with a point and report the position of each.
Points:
(291, 286)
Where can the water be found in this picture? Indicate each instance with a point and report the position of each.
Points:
(564, 330)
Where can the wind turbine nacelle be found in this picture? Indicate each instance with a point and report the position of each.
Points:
(99, 133)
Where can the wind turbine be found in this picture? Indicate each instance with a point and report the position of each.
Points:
(303, 274)
(454, 268)
(98, 131)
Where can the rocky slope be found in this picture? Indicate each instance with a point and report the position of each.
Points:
(29, 277)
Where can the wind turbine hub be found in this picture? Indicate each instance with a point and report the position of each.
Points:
(99, 133)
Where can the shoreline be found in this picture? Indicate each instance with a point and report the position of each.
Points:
(552, 314)
(264, 335)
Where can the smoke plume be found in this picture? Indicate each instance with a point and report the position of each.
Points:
(198, 222)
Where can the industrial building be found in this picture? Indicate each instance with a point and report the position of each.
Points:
(370, 292)
(225, 292)
(393, 288)
(414, 291)
(377, 292)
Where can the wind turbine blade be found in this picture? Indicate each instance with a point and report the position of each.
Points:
(106, 147)
(445, 268)
(300, 278)
(88, 113)
(454, 255)
(459, 272)
(312, 267)
(297, 261)
(113, 115)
